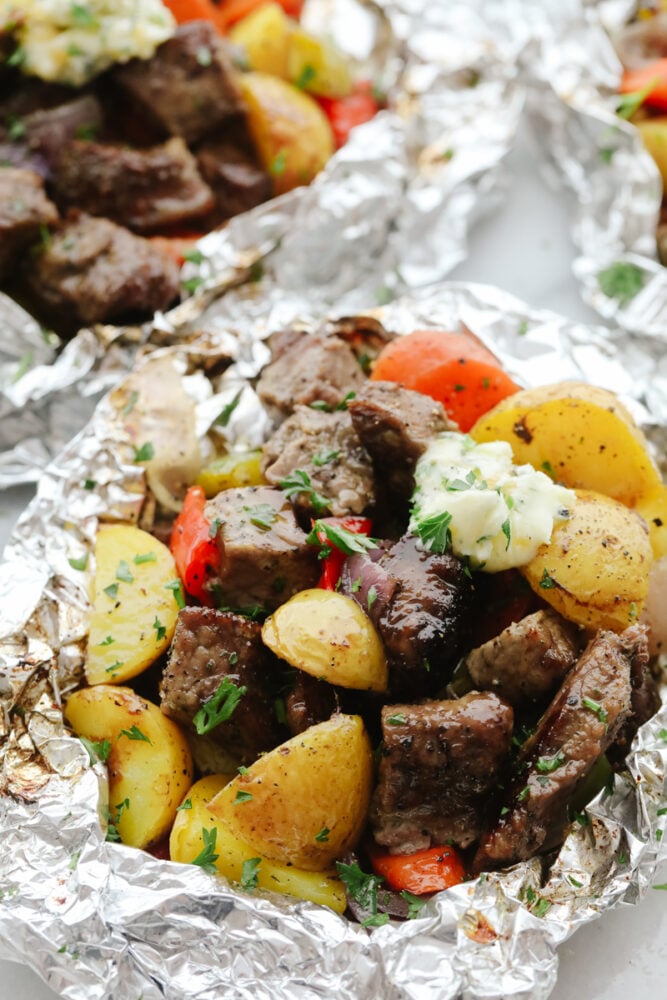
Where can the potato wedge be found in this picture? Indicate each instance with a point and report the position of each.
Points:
(317, 67)
(580, 434)
(653, 508)
(150, 767)
(289, 129)
(595, 569)
(134, 616)
(264, 35)
(654, 136)
(327, 635)
(186, 843)
(305, 802)
(230, 471)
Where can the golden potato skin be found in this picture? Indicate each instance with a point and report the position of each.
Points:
(580, 434)
(264, 35)
(317, 783)
(327, 635)
(186, 842)
(289, 129)
(152, 773)
(133, 622)
(595, 569)
(230, 471)
(654, 136)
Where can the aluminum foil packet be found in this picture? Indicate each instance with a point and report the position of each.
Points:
(97, 919)
(390, 211)
(573, 75)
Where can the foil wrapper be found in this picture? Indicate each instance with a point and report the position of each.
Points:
(573, 75)
(97, 919)
(389, 212)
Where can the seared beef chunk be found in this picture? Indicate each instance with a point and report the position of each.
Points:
(645, 703)
(528, 660)
(144, 189)
(94, 271)
(188, 86)
(310, 701)
(577, 727)
(312, 369)
(395, 425)
(229, 166)
(210, 647)
(24, 210)
(325, 446)
(265, 557)
(421, 604)
(365, 335)
(48, 130)
(440, 763)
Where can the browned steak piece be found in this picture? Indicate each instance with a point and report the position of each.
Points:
(421, 603)
(440, 763)
(229, 166)
(644, 704)
(580, 723)
(48, 130)
(95, 271)
(310, 701)
(188, 86)
(143, 189)
(264, 555)
(325, 446)
(529, 658)
(210, 647)
(395, 426)
(24, 210)
(312, 370)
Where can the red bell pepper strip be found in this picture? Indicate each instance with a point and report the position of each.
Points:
(346, 112)
(194, 548)
(431, 870)
(652, 76)
(332, 564)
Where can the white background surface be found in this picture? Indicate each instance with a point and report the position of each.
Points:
(524, 248)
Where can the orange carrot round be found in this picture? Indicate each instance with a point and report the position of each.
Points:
(425, 871)
(453, 368)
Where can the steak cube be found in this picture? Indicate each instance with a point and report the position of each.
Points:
(24, 210)
(441, 762)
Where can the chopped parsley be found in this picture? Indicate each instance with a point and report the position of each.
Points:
(96, 751)
(145, 557)
(415, 904)
(397, 720)
(242, 797)
(306, 76)
(263, 515)
(207, 857)
(192, 284)
(371, 597)
(278, 164)
(345, 541)
(176, 588)
(194, 256)
(89, 484)
(132, 401)
(548, 764)
(324, 457)
(595, 707)
(434, 531)
(575, 882)
(621, 281)
(113, 819)
(111, 591)
(144, 453)
(250, 873)
(220, 707)
(184, 805)
(134, 733)
(506, 529)
(323, 836)
(547, 582)
(279, 709)
(362, 888)
(541, 907)
(297, 482)
(227, 410)
(108, 641)
(523, 794)
(160, 629)
(376, 920)
(629, 103)
(123, 572)
(79, 563)
(82, 16)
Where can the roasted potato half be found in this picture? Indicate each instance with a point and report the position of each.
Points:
(305, 802)
(149, 762)
(595, 569)
(327, 635)
(134, 614)
(186, 843)
(289, 129)
(580, 434)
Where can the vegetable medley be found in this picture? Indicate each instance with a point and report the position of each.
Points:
(402, 644)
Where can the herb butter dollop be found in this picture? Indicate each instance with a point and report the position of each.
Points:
(70, 43)
(472, 500)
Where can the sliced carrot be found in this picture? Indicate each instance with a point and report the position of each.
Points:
(453, 368)
(431, 870)
(194, 10)
(231, 11)
(652, 76)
